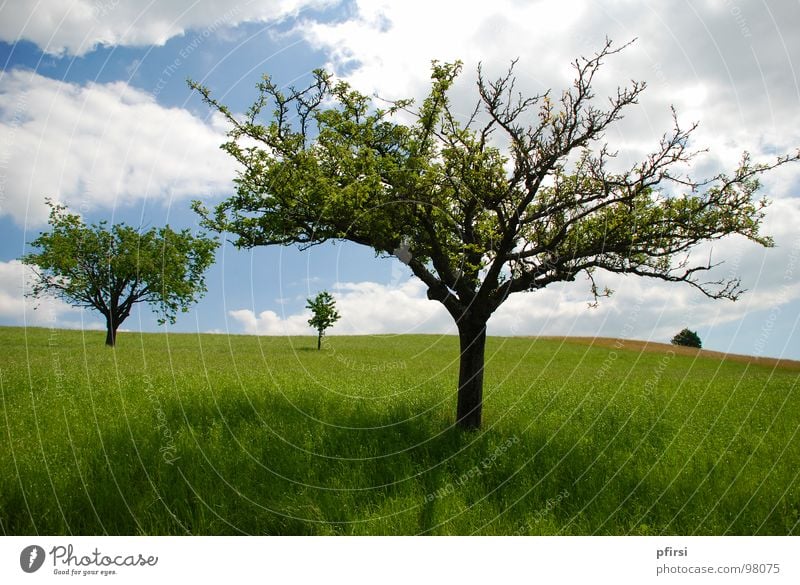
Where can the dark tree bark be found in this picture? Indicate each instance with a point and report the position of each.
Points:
(111, 331)
(472, 338)
(319, 340)
(114, 319)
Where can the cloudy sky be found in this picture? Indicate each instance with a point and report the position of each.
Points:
(95, 112)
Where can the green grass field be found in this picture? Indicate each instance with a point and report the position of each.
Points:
(214, 434)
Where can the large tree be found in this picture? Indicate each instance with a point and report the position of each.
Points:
(515, 197)
(111, 269)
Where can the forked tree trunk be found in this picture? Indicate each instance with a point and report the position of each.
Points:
(472, 337)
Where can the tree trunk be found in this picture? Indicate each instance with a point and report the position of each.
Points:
(319, 340)
(472, 337)
(111, 332)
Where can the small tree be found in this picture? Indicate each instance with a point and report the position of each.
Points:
(687, 338)
(324, 315)
(110, 269)
(513, 198)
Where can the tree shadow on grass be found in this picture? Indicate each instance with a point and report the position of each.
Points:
(235, 466)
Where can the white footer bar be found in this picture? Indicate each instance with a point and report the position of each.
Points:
(399, 560)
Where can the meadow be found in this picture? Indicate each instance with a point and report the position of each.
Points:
(215, 434)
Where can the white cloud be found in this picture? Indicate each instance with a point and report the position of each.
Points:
(736, 77)
(100, 145)
(365, 308)
(12, 283)
(16, 309)
(270, 323)
(388, 46)
(368, 307)
(77, 26)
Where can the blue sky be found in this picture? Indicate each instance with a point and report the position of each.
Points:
(95, 112)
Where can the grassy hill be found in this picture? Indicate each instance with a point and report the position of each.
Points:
(213, 434)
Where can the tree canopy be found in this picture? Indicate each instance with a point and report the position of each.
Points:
(687, 338)
(112, 268)
(515, 197)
